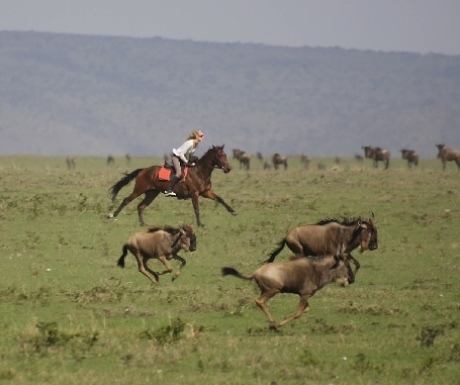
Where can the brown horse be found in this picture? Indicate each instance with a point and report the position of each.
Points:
(447, 154)
(197, 182)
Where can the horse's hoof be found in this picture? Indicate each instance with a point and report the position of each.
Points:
(234, 213)
(109, 216)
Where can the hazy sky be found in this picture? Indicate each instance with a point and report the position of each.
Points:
(382, 25)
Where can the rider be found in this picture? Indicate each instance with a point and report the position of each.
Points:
(180, 156)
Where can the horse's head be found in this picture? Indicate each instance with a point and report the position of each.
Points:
(220, 159)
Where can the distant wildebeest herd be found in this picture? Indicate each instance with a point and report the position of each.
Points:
(322, 251)
(375, 154)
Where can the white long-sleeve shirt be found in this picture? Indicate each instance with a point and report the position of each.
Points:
(185, 150)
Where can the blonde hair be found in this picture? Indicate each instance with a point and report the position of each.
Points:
(194, 134)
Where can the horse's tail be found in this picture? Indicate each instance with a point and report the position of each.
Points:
(236, 273)
(113, 191)
(275, 252)
(121, 260)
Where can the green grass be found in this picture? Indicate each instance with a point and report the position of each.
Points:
(69, 315)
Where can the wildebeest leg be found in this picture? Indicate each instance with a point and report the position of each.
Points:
(144, 269)
(150, 195)
(211, 195)
(355, 262)
(261, 303)
(182, 264)
(301, 308)
(165, 262)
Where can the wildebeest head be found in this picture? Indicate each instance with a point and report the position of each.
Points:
(440, 147)
(369, 235)
(189, 238)
(343, 274)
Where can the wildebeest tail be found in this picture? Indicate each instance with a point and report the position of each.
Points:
(121, 260)
(274, 253)
(234, 272)
(113, 191)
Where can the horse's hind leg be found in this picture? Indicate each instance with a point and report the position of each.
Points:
(150, 195)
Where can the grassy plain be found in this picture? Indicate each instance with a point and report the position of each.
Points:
(69, 315)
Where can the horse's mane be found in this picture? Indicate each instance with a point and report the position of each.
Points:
(343, 221)
(169, 229)
(211, 149)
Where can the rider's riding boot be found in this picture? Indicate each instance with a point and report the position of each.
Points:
(173, 181)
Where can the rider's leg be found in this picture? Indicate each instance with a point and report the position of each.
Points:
(175, 177)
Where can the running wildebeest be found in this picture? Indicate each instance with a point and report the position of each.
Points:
(331, 237)
(162, 243)
(377, 154)
(299, 275)
(447, 154)
(196, 182)
(277, 159)
(411, 156)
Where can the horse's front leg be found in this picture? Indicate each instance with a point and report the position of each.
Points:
(212, 195)
(196, 209)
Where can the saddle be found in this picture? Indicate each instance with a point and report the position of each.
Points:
(167, 169)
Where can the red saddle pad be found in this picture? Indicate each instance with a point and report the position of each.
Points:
(165, 173)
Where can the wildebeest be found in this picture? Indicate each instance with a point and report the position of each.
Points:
(302, 276)
(278, 159)
(359, 157)
(447, 154)
(377, 154)
(162, 243)
(70, 162)
(411, 156)
(305, 160)
(320, 166)
(243, 157)
(331, 237)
